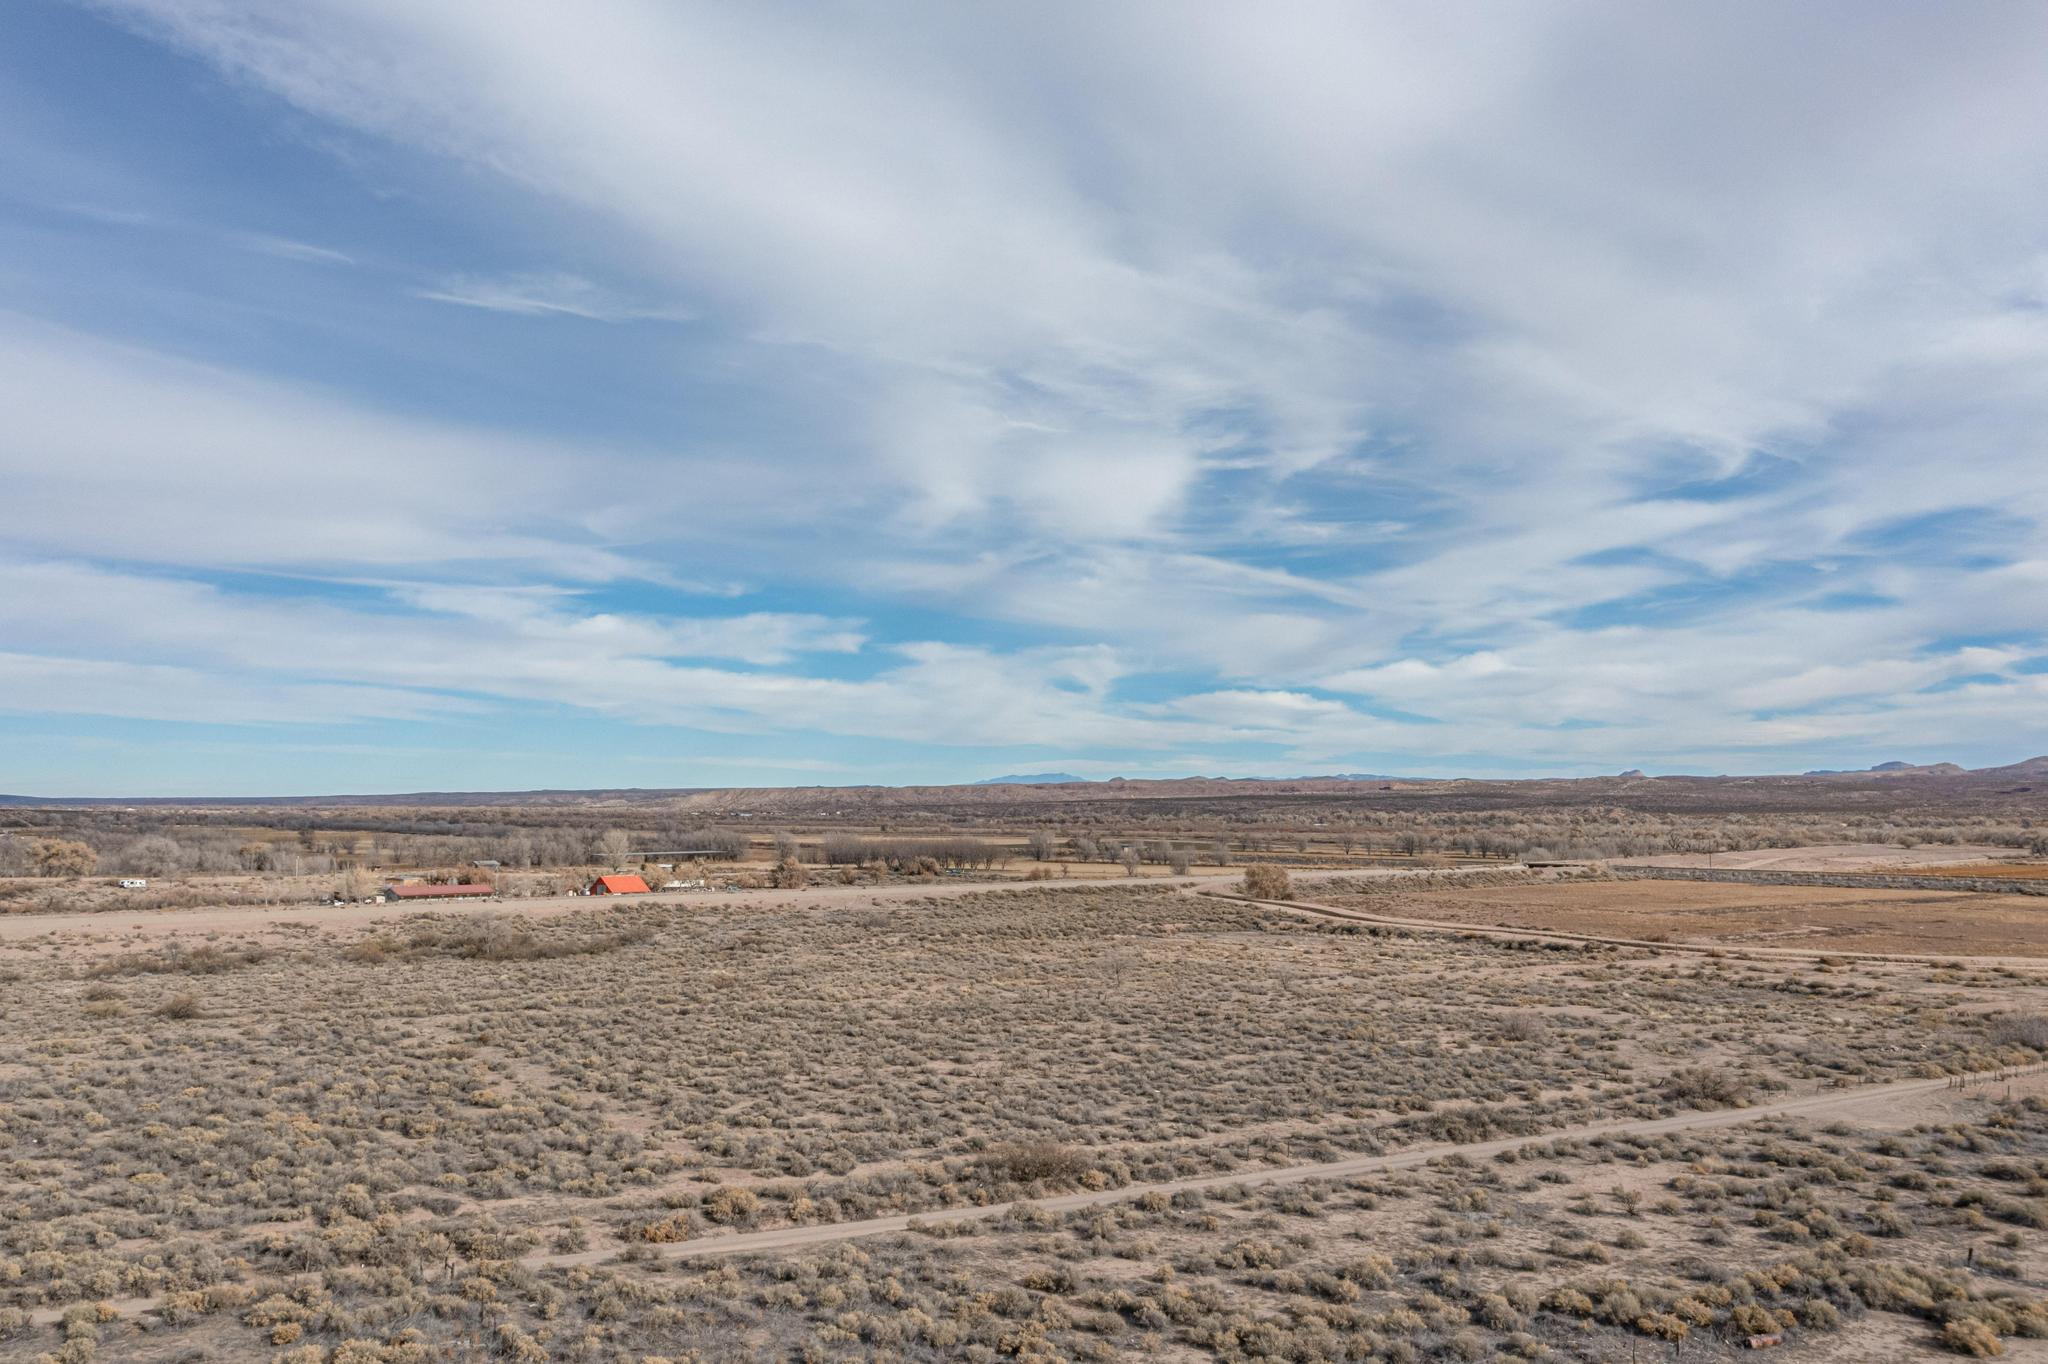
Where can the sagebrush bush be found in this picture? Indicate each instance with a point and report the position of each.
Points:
(181, 1005)
(2021, 1030)
(1264, 881)
(1028, 1162)
(1708, 1087)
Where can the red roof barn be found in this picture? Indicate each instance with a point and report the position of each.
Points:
(419, 890)
(619, 885)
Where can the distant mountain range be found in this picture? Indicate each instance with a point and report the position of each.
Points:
(1896, 768)
(1033, 779)
(1066, 778)
(1930, 780)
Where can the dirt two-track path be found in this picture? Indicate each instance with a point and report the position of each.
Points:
(1865, 1100)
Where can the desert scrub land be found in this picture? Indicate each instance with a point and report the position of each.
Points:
(1834, 1242)
(277, 1146)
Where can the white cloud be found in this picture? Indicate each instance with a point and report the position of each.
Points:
(32, 684)
(1361, 344)
(128, 454)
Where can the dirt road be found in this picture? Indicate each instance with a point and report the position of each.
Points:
(1833, 1103)
(258, 918)
(261, 918)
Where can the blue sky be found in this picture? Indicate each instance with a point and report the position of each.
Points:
(462, 395)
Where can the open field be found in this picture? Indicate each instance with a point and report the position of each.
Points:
(2027, 871)
(1813, 918)
(480, 1134)
(1953, 858)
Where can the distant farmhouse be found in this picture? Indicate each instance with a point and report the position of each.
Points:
(619, 885)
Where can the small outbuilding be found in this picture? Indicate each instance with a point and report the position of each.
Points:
(420, 890)
(619, 885)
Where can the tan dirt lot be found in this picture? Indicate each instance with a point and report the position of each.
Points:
(1837, 857)
(1941, 923)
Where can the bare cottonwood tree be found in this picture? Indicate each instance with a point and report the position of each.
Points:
(153, 855)
(613, 845)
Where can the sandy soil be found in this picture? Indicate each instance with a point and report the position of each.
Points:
(1830, 857)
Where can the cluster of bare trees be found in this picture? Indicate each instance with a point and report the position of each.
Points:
(1176, 855)
(89, 843)
(164, 841)
(904, 854)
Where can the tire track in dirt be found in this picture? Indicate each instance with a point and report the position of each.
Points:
(1824, 1103)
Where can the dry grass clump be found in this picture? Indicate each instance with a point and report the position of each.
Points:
(494, 937)
(184, 1004)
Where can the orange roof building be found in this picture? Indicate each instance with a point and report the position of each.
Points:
(619, 885)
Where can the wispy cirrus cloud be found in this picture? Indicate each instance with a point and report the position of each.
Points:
(549, 295)
(288, 249)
